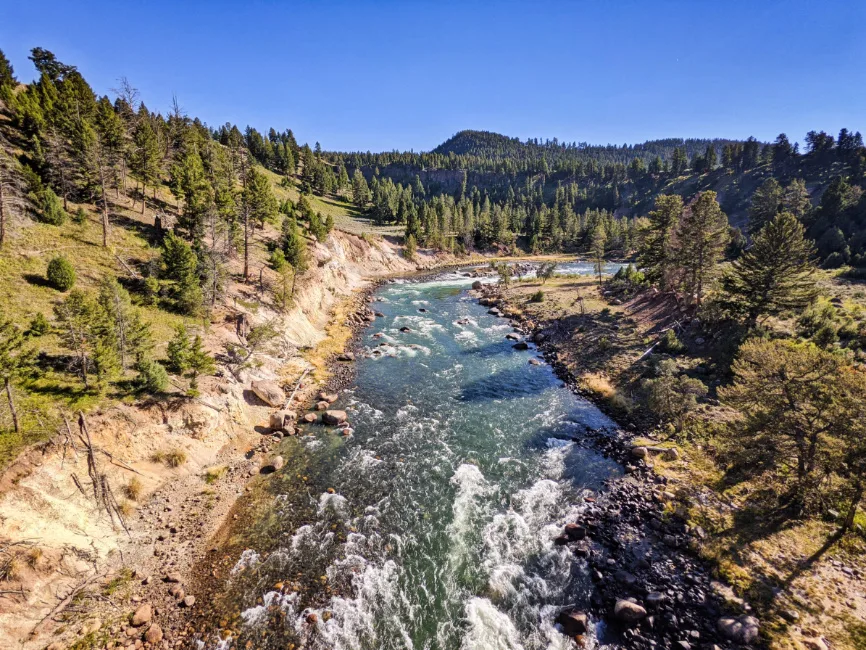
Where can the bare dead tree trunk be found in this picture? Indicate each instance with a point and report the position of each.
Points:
(104, 205)
(246, 243)
(852, 510)
(12, 406)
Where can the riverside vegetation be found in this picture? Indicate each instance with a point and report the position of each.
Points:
(740, 331)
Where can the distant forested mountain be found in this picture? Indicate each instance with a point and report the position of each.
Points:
(481, 189)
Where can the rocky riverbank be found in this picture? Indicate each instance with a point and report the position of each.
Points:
(647, 581)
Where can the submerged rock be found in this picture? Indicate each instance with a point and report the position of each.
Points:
(334, 417)
(575, 531)
(521, 345)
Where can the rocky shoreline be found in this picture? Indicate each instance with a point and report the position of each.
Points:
(648, 584)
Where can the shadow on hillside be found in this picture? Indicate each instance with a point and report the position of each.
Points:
(144, 230)
(37, 280)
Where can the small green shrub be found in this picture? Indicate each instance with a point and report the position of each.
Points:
(152, 376)
(175, 457)
(50, 208)
(80, 216)
(60, 274)
(133, 489)
(151, 291)
(538, 296)
(670, 343)
(278, 259)
(39, 326)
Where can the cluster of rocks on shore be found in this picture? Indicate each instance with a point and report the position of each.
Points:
(646, 582)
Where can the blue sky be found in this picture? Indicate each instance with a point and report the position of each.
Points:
(407, 75)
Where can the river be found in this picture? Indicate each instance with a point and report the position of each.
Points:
(432, 526)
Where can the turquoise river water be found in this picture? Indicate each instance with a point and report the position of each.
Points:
(432, 526)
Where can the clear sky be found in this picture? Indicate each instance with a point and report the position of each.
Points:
(363, 75)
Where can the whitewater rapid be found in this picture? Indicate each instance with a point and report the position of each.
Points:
(433, 526)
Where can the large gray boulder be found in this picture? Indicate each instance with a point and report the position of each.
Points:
(269, 392)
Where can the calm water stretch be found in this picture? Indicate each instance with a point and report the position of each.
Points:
(437, 530)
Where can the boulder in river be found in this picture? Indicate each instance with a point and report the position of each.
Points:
(477, 285)
(346, 356)
(405, 330)
(573, 622)
(575, 531)
(494, 311)
(334, 417)
(534, 362)
(511, 336)
(269, 392)
(628, 612)
(742, 629)
(310, 418)
(521, 345)
(321, 406)
(330, 398)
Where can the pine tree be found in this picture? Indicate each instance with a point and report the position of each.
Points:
(180, 265)
(189, 183)
(701, 240)
(360, 190)
(260, 205)
(776, 274)
(294, 249)
(200, 362)
(7, 78)
(796, 200)
(145, 154)
(109, 152)
(656, 255)
(766, 203)
(599, 237)
(75, 317)
(178, 351)
(122, 323)
(16, 360)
